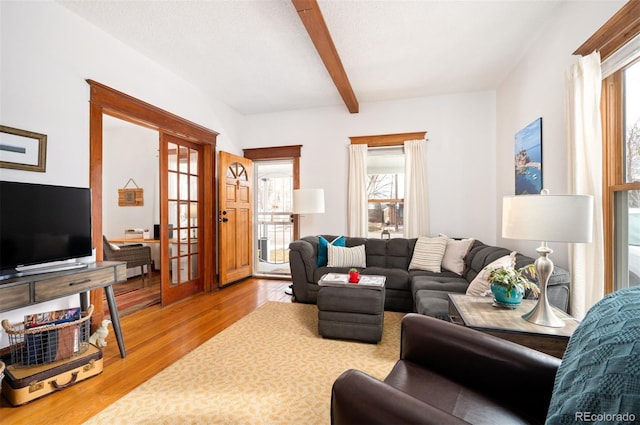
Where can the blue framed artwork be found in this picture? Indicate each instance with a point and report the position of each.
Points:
(528, 159)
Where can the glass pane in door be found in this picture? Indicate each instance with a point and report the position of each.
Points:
(274, 211)
(184, 209)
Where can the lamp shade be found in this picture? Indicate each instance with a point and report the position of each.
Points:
(308, 201)
(548, 218)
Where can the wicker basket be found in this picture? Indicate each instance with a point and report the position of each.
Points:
(50, 343)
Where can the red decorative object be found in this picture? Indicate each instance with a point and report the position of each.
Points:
(354, 277)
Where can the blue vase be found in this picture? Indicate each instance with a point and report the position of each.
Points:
(502, 299)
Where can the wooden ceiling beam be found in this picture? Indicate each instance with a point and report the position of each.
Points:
(311, 16)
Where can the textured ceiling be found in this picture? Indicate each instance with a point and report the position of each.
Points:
(256, 56)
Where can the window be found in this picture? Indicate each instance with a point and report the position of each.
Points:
(381, 213)
(617, 41)
(621, 116)
(385, 191)
(631, 153)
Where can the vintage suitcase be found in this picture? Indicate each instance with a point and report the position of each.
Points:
(24, 384)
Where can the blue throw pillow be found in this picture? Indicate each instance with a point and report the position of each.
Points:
(323, 251)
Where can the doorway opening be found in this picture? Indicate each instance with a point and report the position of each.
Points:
(130, 156)
(274, 229)
(107, 101)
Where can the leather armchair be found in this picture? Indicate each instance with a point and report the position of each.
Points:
(449, 374)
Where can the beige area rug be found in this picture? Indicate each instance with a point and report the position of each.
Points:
(271, 367)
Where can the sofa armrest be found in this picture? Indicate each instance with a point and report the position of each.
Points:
(302, 261)
(306, 251)
(357, 398)
(476, 360)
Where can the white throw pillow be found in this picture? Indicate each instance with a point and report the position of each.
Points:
(114, 246)
(428, 253)
(455, 254)
(346, 257)
(480, 286)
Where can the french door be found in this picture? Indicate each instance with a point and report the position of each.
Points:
(180, 218)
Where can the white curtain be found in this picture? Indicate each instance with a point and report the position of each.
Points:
(416, 213)
(357, 214)
(584, 136)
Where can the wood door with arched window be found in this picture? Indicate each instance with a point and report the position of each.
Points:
(235, 217)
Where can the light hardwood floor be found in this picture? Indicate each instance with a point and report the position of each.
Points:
(154, 338)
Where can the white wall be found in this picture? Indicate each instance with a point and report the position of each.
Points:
(535, 88)
(460, 156)
(129, 152)
(47, 54)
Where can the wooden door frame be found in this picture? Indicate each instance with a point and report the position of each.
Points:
(105, 100)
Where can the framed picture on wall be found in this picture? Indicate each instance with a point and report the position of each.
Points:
(22, 149)
(528, 159)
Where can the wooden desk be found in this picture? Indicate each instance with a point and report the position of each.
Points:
(25, 291)
(480, 314)
(134, 240)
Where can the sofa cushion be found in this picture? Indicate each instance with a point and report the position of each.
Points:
(450, 283)
(392, 253)
(455, 253)
(480, 256)
(339, 256)
(428, 253)
(449, 396)
(323, 251)
(432, 303)
(396, 278)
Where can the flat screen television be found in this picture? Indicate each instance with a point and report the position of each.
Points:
(43, 228)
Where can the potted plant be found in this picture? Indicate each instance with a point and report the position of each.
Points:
(508, 284)
(354, 275)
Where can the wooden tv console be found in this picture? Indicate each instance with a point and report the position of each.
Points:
(25, 291)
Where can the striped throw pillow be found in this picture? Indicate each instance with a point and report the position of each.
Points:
(428, 253)
(347, 257)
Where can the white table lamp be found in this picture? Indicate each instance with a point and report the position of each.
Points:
(547, 218)
(308, 201)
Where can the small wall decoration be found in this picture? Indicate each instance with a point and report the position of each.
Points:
(22, 150)
(528, 159)
(130, 197)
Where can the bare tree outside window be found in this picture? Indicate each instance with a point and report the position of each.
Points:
(386, 204)
(385, 192)
(632, 121)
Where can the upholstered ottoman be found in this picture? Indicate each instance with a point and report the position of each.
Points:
(351, 312)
